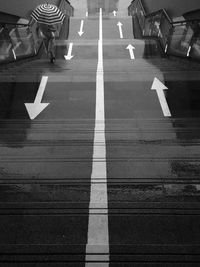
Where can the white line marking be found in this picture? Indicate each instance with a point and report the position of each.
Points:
(98, 237)
(160, 87)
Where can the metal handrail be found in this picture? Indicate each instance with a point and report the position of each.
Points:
(186, 44)
(154, 13)
(165, 12)
(143, 9)
(185, 21)
(160, 11)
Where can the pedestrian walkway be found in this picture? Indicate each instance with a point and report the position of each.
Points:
(106, 171)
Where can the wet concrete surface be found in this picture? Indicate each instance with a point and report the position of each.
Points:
(13, 97)
(46, 164)
(152, 161)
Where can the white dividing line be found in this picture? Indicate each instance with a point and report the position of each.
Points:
(97, 249)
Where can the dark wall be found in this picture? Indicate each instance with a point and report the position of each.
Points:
(175, 8)
(22, 8)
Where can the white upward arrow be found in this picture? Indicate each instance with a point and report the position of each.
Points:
(160, 87)
(131, 48)
(115, 13)
(81, 28)
(119, 24)
(34, 109)
(69, 55)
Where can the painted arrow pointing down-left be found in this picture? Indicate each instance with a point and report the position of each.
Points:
(34, 109)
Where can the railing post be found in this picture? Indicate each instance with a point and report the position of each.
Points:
(11, 43)
(195, 29)
(169, 39)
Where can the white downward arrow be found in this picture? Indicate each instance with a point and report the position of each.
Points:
(119, 24)
(160, 87)
(115, 13)
(34, 109)
(69, 55)
(131, 48)
(81, 28)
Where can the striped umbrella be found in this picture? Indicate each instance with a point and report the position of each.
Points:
(48, 14)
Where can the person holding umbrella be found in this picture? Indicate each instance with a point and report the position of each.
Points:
(48, 16)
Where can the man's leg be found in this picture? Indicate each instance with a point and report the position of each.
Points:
(52, 48)
(46, 43)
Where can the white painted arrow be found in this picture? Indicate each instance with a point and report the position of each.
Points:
(115, 13)
(81, 28)
(34, 109)
(69, 55)
(119, 24)
(160, 87)
(131, 48)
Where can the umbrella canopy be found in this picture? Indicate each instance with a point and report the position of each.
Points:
(48, 14)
